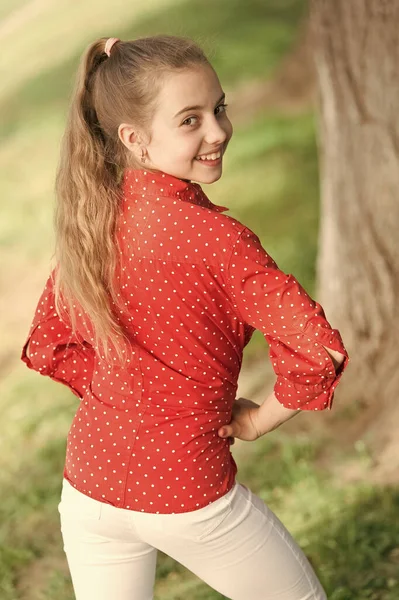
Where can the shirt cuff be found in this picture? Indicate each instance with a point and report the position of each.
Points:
(70, 364)
(310, 397)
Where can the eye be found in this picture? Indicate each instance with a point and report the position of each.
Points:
(223, 106)
(185, 122)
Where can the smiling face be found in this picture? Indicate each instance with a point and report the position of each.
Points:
(190, 129)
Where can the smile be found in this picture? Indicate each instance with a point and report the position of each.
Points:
(213, 156)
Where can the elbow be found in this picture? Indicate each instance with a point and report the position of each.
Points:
(337, 357)
(37, 361)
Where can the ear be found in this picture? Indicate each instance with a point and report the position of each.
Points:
(129, 136)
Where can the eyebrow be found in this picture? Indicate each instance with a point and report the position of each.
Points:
(197, 107)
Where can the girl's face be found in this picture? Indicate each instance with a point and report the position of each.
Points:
(190, 121)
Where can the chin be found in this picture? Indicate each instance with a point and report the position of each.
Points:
(208, 178)
(212, 179)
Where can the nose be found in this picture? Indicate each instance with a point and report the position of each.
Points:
(215, 134)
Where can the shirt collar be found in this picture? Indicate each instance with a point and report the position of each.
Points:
(148, 184)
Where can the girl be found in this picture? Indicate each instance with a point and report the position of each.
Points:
(145, 316)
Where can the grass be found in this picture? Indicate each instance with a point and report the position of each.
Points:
(234, 58)
(270, 182)
(350, 533)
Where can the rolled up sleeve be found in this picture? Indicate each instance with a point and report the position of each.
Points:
(53, 350)
(294, 325)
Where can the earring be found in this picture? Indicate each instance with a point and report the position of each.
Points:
(143, 158)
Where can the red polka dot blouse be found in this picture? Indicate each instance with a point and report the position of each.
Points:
(196, 283)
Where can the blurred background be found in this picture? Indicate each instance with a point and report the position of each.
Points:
(316, 478)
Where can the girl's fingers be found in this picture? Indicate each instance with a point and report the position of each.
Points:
(226, 431)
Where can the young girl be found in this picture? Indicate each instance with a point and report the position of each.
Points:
(145, 316)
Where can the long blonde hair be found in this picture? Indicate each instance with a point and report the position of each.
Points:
(108, 91)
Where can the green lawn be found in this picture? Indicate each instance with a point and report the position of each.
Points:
(350, 532)
(270, 182)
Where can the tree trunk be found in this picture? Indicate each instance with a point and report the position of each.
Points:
(356, 49)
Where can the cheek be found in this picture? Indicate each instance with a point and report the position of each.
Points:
(172, 148)
(187, 147)
(229, 129)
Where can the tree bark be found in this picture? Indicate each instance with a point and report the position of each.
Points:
(355, 45)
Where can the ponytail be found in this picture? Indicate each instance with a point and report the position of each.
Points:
(88, 202)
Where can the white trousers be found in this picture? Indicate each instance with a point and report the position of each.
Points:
(236, 545)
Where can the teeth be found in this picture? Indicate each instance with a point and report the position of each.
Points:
(213, 156)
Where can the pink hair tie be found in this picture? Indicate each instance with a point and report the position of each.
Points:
(108, 45)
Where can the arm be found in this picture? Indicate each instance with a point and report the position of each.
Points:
(272, 413)
(307, 354)
(337, 357)
(53, 350)
(250, 421)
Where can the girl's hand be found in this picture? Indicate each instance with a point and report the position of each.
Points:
(243, 421)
